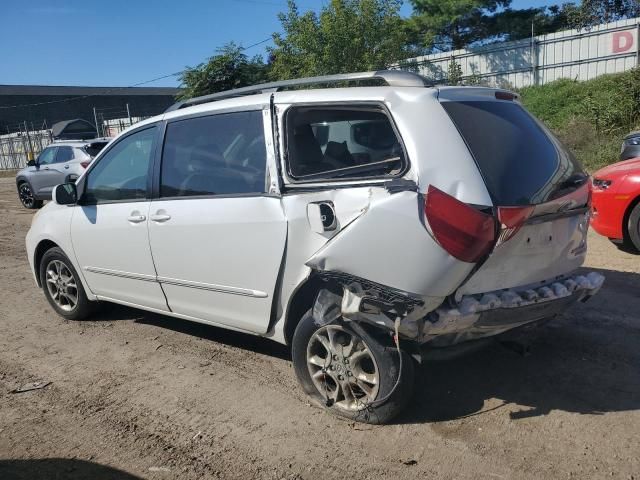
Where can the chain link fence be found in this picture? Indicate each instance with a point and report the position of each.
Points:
(24, 141)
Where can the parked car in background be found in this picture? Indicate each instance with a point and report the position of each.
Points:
(60, 162)
(630, 146)
(616, 203)
(358, 225)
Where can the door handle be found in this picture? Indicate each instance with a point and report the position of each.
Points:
(66, 166)
(160, 217)
(136, 218)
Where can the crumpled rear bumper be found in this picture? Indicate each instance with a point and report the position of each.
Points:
(491, 313)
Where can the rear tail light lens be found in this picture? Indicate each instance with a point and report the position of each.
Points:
(464, 232)
(85, 164)
(511, 219)
(500, 95)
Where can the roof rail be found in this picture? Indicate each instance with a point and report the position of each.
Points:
(393, 78)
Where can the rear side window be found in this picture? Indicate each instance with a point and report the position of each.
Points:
(94, 148)
(336, 143)
(64, 154)
(215, 155)
(521, 162)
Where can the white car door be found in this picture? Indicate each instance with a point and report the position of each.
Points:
(109, 227)
(217, 238)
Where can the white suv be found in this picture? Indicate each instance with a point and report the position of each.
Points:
(358, 225)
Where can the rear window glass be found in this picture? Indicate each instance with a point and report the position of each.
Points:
(94, 148)
(342, 143)
(521, 162)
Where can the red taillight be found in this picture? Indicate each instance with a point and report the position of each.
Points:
(505, 96)
(463, 231)
(85, 164)
(511, 219)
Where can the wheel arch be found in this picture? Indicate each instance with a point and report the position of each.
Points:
(627, 215)
(42, 247)
(301, 301)
(22, 179)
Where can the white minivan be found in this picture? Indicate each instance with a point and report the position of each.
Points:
(358, 224)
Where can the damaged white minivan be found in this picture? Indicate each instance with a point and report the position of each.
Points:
(359, 224)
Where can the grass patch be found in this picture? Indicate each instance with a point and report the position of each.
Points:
(589, 117)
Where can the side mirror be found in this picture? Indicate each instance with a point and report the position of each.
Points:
(31, 163)
(65, 194)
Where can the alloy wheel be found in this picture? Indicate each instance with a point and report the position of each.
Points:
(62, 285)
(26, 195)
(342, 368)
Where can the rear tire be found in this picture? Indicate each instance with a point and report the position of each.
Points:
(62, 286)
(632, 239)
(27, 198)
(348, 374)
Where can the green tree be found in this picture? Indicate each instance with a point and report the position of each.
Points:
(442, 25)
(594, 12)
(229, 68)
(345, 36)
(454, 72)
(452, 24)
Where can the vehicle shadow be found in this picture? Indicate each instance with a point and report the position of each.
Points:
(52, 468)
(265, 346)
(586, 361)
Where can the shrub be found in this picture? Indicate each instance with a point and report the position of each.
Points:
(589, 117)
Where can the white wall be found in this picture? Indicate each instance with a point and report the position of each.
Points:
(576, 54)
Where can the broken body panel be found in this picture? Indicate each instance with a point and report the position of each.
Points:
(381, 243)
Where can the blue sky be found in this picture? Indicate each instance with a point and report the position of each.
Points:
(123, 42)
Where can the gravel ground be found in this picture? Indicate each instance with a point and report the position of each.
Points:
(139, 395)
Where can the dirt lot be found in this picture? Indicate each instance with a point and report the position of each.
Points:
(138, 395)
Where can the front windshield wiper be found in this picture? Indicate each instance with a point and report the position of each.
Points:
(340, 172)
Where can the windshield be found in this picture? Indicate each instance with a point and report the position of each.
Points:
(521, 162)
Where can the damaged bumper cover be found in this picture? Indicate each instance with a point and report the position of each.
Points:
(491, 313)
(473, 317)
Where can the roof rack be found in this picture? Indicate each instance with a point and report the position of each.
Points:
(393, 78)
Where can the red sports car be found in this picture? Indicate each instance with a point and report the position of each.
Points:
(616, 203)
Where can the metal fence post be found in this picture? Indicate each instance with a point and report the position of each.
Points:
(95, 117)
(129, 115)
(638, 44)
(30, 153)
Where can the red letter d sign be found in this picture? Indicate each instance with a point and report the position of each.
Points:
(622, 41)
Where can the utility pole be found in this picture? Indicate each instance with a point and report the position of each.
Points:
(534, 57)
(26, 130)
(129, 115)
(95, 117)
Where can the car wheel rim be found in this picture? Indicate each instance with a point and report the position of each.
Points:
(62, 285)
(26, 196)
(342, 368)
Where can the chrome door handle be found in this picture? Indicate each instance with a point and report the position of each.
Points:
(160, 217)
(136, 218)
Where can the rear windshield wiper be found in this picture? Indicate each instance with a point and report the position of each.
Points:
(340, 172)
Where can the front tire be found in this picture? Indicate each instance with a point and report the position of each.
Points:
(27, 197)
(351, 374)
(62, 287)
(632, 239)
